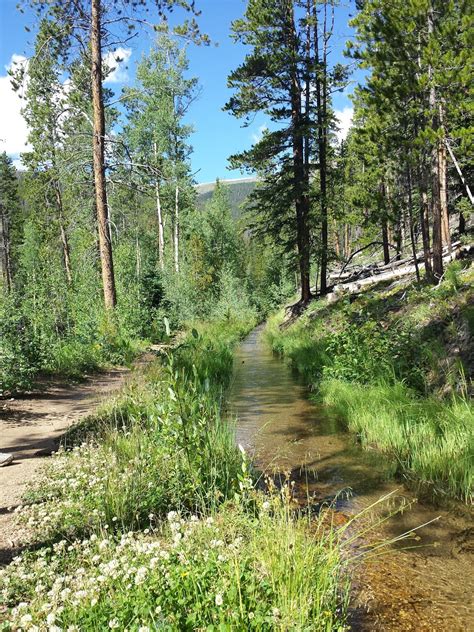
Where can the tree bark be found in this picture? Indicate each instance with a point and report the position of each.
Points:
(105, 242)
(462, 224)
(321, 114)
(5, 259)
(301, 199)
(424, 223)
(346, 240)
(176, 229)
(434, 165)
(410, 219)
(63, 234)
(161, 232)
(443, 186)
(337, 244)
(386, 251)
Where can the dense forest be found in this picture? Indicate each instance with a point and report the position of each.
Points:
(109, 247)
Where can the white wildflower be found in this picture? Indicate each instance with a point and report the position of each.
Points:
(25, 620)
(140, 576)
(219, 600)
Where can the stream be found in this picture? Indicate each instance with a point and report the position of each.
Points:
(416, 585)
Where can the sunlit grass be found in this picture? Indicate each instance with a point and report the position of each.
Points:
(432, 440)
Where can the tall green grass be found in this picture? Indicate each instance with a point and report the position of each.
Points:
(432, 440)
(161, 446)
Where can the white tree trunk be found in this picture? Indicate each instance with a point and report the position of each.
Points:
(161, 231)
(176, 229)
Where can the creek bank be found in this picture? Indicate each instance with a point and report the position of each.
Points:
(395, 365)
(428, 587)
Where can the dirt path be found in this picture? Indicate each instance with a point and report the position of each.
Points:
(30, 428)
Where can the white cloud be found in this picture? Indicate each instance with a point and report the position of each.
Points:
(116, 60)
(344, 118)
(13, 129)
(257, 136)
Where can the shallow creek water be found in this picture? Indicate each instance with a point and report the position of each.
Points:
(429, 587)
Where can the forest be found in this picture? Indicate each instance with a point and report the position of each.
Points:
(296, 344)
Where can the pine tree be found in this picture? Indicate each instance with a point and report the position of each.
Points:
(9, 206)
(270, 80)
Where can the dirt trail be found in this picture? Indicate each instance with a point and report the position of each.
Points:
(31, 427)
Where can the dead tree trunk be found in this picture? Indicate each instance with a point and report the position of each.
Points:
(105, 242)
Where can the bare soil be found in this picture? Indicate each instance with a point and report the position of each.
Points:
(31, 428)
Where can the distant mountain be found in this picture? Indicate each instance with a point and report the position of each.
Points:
(238, 191)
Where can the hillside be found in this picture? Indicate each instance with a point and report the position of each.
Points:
(238, 191)
(395, 361)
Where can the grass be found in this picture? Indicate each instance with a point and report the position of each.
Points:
(432, 440)
(385, 363)
(151, 520)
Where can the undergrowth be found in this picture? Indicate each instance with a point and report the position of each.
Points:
(150, 519)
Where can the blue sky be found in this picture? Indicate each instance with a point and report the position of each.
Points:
(217, 133)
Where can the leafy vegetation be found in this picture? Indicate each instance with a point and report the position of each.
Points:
(160, 459)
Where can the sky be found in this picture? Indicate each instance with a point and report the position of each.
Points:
(217, 134)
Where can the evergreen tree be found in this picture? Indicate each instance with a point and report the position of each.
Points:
(9, 207)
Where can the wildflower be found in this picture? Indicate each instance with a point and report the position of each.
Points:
(51, 618)
(140, 576)
(219, 600)
(266, 506)
(275, 612)
(158, 609)
(143, 628)
(113, 624)
(251, 615)
(25, 620)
